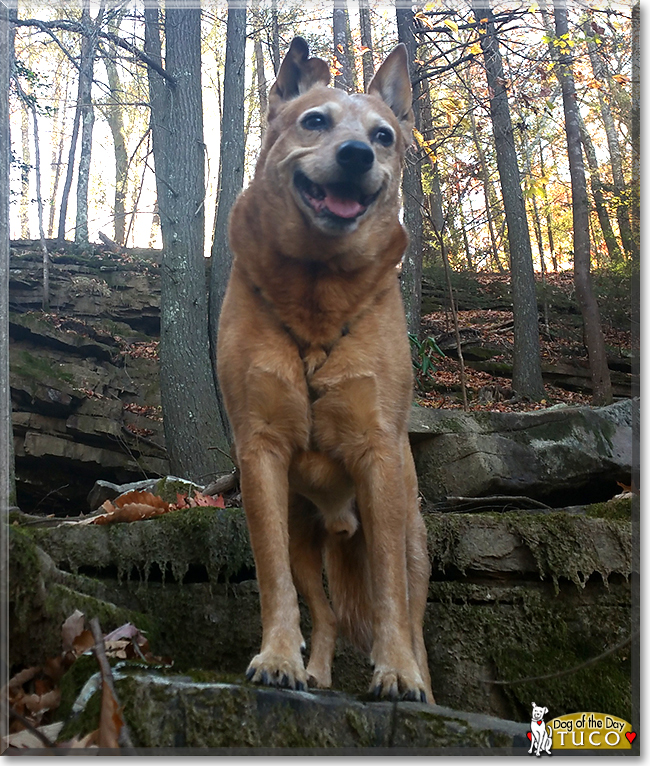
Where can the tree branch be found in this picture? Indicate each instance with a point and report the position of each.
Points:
(74, 26)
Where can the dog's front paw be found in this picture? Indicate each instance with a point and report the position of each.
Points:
(271, 669)
(397, 684)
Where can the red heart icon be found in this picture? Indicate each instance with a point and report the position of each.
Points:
(631, 736)
(529, 735)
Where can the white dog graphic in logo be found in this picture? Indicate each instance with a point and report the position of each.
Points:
(541, 738)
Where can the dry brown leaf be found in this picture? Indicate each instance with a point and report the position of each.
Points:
(71, 628)
(83, 643)
(110, 719)
(207, 501)
(39, 703)
(132, 506)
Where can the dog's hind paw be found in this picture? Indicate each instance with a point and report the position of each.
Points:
(274, 670)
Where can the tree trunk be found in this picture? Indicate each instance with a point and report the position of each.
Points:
(24, 171)
(345, 79)
(115, 121)
(193, 429)
(613, 249)
(615, 155)
(262, 94)
(275, 37)
(412, 195)
(527, 368)
(86, 68)
(39, 201)
(7, 480)
(63, 211)
(366, 42)
(485, 173)
(547, 212)
(635, 191)
(231, 170)
(602, 389)
(57, 156)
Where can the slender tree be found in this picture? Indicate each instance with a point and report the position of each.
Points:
(86, 70)
(527, 367)
(194, 433)
(601, 385)
(340, 22)
(115, 118)
(231, 168)
(635, 196)
(366, 42)
(621, 191)
(412, 187)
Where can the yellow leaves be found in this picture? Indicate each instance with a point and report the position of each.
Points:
(533, 7)
(424, 20)
(339, 48)
(451, 25)
(621, 79)
(335, 67)
(475, 48)
(425, 145)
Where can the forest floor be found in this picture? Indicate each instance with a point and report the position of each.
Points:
(486, 324)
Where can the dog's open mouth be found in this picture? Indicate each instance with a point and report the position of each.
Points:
(345, 201)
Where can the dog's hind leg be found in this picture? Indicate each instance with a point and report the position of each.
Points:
(306, 536)
(418, 570)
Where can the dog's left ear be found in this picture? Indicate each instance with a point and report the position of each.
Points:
(392, 84)
(298, 73)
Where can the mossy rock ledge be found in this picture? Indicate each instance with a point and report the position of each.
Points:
(512, 595)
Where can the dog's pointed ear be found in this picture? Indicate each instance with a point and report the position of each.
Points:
(298, 73)
(392, 83)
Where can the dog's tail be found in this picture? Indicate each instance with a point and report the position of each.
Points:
(350, 587)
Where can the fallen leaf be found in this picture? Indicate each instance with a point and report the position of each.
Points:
(110, 719)
(71, 628)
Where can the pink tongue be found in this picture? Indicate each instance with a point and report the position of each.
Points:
(344, 208)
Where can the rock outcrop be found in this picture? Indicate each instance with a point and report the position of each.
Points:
(85, 389)
(511, 596)
(562, 455)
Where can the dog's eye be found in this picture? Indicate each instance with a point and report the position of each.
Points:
(384, 136)
(314, 121)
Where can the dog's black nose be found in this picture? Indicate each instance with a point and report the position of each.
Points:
(355, 156)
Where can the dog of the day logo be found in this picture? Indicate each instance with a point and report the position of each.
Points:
(578, 731)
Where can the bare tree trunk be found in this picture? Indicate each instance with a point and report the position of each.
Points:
(527, 367)
(275, 37)
(86, 68)
(602, 390)
(7, 477)
(24, 172)
(70, 169)
(547, 212)
(193, 429)
(486, 194)
(615, 155)
(366, 42)
(340, 22)
(635, 191)
(115, 121)
(231, 171)
(262, 93)
(412, 194)
(613, 249)
(57, 156)
(39, 201)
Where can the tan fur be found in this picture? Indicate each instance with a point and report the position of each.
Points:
(315, 369)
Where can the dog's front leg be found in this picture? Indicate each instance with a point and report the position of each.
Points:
(382, 503)
(264, 483)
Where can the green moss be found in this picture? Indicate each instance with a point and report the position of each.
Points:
(28, 366)
(616, 509)
(73, 682)
(84, 722)
(169, 487)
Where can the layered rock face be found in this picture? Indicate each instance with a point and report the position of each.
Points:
(84, 380)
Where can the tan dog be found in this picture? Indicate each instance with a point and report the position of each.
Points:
(315, 369)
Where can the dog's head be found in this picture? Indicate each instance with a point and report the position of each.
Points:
(335, 159)
(538, 712)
